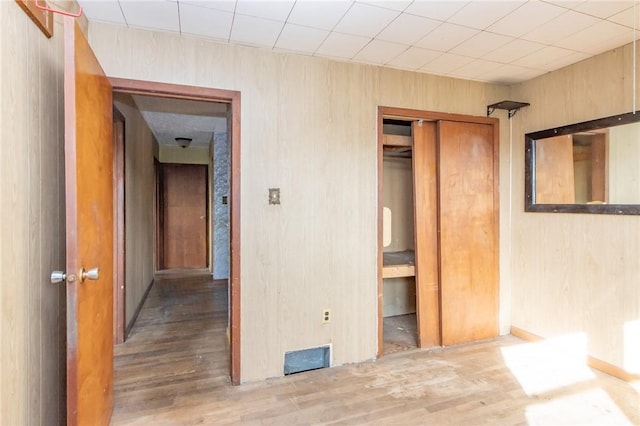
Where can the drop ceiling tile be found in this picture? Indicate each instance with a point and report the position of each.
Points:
(407, 29)
(440, 10)
(626, 18)
(590, 39)
(157, 15)
(255, 31)
(603, 9)
(561, 27)
(481, 44)
(481, 14)
(568, 59)
(343, 46)
(478, 67)
(446, 63)
(398, 5)
(300, 39)
(205, 22)
(510, 74)
(379, 52)
(365, 20)
(103, 11)
(544, 58)
(526, 18)
(268, 9)
(318, 14)
(225, 5)
(567, 4)
(446, 37)
(512, 51)
(414, 58)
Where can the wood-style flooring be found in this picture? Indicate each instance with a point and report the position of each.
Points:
(173, 370)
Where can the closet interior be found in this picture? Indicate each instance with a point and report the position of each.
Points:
(399, 285)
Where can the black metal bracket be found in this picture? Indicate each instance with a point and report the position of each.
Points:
(511, 106)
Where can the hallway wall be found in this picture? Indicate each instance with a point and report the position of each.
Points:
(140, 204)
(309, 127)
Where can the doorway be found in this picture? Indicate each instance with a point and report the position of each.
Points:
(231, 102)
(438, 227)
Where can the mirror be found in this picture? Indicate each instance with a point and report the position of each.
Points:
(590, 167)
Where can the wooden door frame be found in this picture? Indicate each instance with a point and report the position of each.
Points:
(159, 214)
(413, 115)
(119, 209)
(231, 97)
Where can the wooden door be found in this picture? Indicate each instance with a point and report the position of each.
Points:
(184, 216)
(89, 211)
(468, 231)
(425, 200)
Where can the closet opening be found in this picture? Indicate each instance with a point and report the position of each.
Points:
(398, 242)
(438, 221)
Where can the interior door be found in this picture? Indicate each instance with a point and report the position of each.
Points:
(425, 200)
(184, 216)
(468, 231)
(89, 239)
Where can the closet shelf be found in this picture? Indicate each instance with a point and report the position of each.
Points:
(396, 264)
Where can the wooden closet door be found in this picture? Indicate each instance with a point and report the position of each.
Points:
(425, 200)
(468, 231)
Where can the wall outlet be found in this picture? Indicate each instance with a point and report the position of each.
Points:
(326, 316)
(274, 195)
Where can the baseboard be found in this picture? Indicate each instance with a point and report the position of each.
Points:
(131, 323)
(592, 362)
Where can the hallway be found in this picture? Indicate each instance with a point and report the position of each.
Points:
(173, 370)
(177, 348)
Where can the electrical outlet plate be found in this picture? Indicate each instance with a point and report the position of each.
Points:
(326, 316)
(274, 195)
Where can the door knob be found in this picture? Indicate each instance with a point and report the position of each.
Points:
(91, 274)
(58, 277)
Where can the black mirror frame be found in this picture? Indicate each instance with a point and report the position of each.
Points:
(530, 161)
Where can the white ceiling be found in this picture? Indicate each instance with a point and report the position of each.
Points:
(171, 118)
(504, 41)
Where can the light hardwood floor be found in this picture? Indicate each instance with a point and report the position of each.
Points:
(173, 370)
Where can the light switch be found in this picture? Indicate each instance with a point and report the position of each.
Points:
(274, 195)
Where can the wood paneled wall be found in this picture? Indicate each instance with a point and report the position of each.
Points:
(32, 222)
(308, 128)
(140, 205)
(575, 273)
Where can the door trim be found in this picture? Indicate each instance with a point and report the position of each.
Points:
(412, 115)
(231, 97)
(119, 206)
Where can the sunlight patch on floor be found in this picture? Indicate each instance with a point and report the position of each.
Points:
(549, 364)
(594, 407)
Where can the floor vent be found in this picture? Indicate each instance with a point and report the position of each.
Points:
(307, 359)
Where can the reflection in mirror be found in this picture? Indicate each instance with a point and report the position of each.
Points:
(591, 167)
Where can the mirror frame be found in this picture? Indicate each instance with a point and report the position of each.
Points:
(530, 161)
